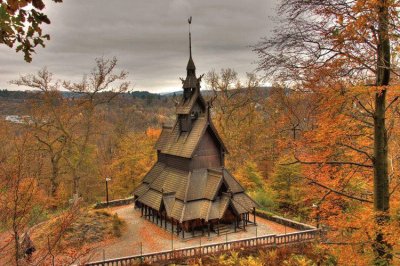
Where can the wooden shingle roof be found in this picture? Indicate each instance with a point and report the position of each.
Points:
(141, 189)
(218, 208)
(245, 201)
(203, 184)
(154, 172)
(183, 144)
(162, 140)
(152, 199)
(189, 195)
(232, 183)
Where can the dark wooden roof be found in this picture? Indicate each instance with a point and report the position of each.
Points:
(188, 195)
(183, 144)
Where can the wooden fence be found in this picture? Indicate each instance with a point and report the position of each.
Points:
(213, 249)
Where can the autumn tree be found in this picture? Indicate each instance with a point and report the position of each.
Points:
(235, 112)
(64, 127)
(348, 44)
(96, 89)
(21, 24)
(48, 121)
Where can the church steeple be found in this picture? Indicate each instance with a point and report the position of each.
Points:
(191, 68)
(191, 81)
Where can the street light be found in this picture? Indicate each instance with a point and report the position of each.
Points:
(107, 180)
(316, 207)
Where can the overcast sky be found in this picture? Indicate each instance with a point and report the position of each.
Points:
(149, 38)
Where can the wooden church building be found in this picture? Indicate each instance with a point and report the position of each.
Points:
(188, 187)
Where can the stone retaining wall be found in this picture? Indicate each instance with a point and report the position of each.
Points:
(284, 221)
(114, 203)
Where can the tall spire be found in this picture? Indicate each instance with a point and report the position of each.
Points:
(190, 66)
(190, 37)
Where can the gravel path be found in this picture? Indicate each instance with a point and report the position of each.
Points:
(153, 238)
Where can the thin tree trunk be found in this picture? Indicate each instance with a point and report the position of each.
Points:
(381, 178)
(54, 176)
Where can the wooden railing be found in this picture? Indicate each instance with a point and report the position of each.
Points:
(213, 249)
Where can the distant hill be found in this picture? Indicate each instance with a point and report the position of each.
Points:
(22, 95)
(264, 90)
(6, 94)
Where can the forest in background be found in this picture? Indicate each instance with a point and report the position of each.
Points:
(67, 146)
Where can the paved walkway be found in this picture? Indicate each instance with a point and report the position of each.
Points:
(154, 238)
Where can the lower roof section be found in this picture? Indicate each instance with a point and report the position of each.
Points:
(189, 195)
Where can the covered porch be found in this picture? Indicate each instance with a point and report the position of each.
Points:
(230, 222)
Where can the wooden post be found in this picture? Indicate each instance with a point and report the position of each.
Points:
(254, 215)
(218, 227)
(208, 225)
(165, 217)
(141, 210)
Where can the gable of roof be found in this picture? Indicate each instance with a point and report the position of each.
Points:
(218, 208)
(245, 201)
(168, 201)
(184, 144)
(203, 184)
(231, 182)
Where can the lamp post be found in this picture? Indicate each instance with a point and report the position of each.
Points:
(316, 207)
(107, 180)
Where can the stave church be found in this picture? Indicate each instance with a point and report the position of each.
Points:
(188, 190)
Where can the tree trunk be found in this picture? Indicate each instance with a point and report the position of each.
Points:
(381, 178)
(54, 176)
(75, 189)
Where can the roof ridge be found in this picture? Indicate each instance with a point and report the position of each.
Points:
(240, 185)
(239, 203)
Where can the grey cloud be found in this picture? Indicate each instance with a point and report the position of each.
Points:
(148, 37)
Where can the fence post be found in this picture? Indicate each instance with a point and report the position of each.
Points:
(256, 238)
(201, 250)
